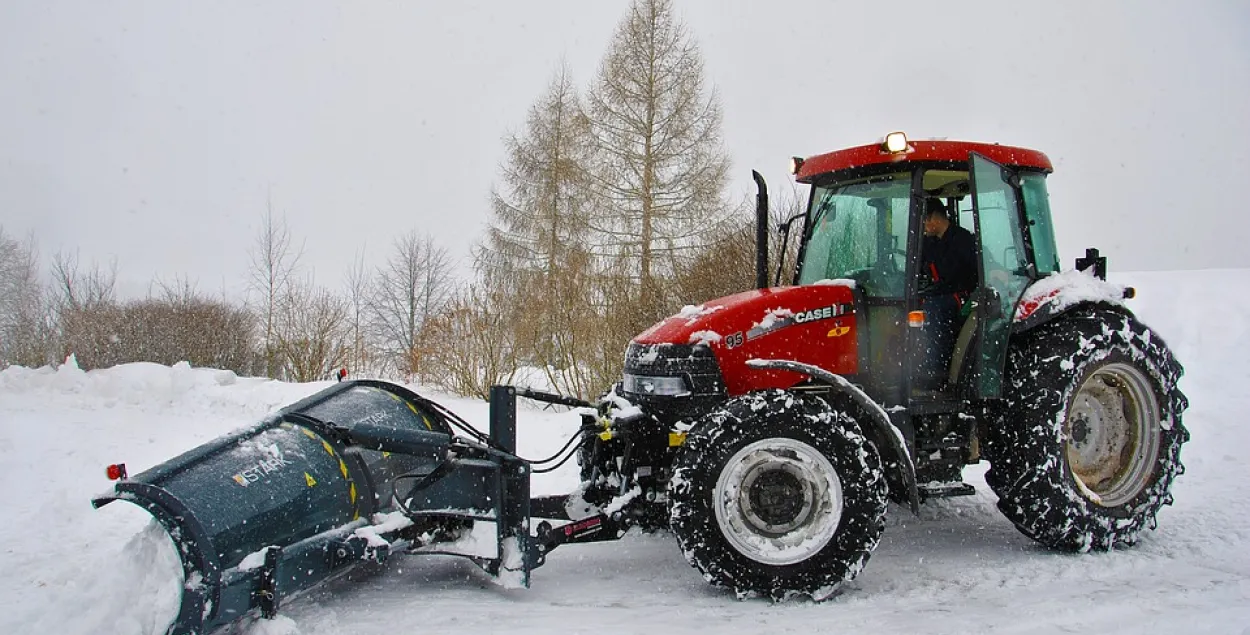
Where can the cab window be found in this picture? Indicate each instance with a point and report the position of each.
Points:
(1041, 230)
(859, 232)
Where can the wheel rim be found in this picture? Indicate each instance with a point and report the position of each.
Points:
(1112, 434)
(778, 501)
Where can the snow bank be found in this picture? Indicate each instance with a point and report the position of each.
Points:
(155, 387)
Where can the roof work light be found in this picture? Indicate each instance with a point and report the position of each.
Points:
(895, 142)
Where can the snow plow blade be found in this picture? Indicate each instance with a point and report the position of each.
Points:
(359, 471)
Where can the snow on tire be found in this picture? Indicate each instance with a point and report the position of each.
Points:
(777, 495)
(1085, 454)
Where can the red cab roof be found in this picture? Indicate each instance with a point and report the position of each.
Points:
(921, 151)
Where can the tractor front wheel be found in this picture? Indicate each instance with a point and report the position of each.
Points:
(1085, 455)
(776, 495)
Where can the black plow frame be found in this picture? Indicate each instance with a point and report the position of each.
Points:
(239, 562)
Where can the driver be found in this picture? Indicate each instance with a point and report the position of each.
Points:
(949, 267)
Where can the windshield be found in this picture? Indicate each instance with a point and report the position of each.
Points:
(859, 231)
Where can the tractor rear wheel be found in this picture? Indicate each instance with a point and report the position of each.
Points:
(776, 495)
(1085, 455)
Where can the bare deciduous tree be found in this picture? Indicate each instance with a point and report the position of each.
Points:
(179, 326)
(25, 328)
(413, 285)
(313, 338)
(359, 284)
(615, 300)
(86, 313)
(182, 324)
(469, 348)
(726, 264)
(273, 263)
(82, 289)
(661, 161)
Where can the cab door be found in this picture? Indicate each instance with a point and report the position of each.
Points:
(1005, 269)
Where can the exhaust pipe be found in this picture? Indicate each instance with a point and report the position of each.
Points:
(761, 231)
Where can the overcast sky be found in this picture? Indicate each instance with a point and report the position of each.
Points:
(153, 132)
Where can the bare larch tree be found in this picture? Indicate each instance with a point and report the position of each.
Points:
(661, 162)
(535, 261)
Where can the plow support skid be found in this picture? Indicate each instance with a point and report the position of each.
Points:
(352, 473)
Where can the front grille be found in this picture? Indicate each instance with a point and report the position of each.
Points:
(696, 363)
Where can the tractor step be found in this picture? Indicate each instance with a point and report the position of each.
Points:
(938, 489)
(925, 402)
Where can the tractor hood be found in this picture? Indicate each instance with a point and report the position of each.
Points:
(813, 324)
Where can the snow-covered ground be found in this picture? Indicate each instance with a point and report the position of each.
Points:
(957, 568)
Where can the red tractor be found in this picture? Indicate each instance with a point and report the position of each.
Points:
(768, 429)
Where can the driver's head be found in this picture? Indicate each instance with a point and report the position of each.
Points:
(936, 219)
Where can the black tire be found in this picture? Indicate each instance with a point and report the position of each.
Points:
(1085, 454)
(795, 441)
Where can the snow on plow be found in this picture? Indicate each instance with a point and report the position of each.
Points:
(359, 471)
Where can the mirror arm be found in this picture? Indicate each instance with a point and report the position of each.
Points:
(785, 240)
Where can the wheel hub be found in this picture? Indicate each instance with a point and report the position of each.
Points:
(778, 501)
(1080, 431)
(1113, 434)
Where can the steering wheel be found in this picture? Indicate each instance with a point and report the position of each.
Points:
(888, 264)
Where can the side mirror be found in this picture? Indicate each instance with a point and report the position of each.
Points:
(784, 230)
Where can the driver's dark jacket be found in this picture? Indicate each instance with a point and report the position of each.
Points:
(950, 262)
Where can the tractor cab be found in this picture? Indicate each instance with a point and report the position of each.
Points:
(865, 223)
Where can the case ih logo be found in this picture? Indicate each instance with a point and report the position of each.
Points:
(778, 319)
(823, 313)
(262, 468)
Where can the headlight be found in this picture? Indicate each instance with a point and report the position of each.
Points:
(667, 386)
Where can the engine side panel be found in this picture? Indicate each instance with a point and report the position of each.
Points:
(814, 324)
